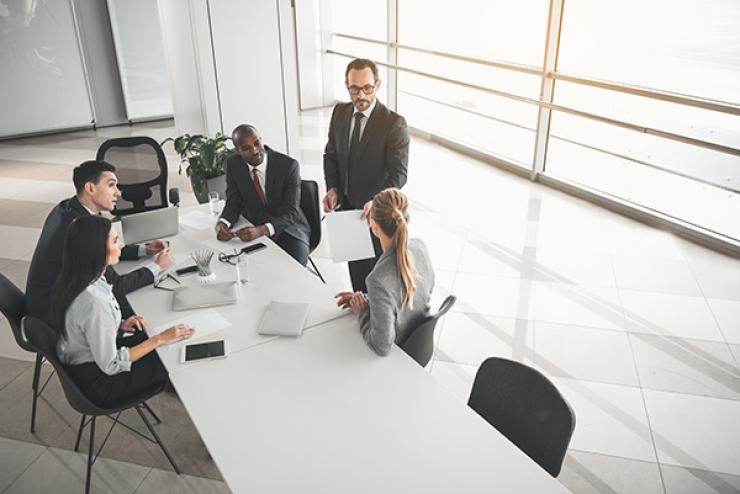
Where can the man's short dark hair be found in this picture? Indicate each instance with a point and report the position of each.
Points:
(90, 171)
(360, 64)
(241, 131)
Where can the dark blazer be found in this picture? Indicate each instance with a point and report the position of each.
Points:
(282, 192)
(383, 158)
(46, 263)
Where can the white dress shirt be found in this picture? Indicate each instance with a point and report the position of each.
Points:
(262, 179)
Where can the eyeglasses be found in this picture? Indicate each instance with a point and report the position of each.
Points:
(230, 258)
(367, 89)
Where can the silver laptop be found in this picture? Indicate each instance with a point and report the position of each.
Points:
(149, 225)
(201, 296)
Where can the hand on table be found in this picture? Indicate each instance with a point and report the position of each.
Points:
(223, 232)
(174, 334)
(133, 324)
(249, 233)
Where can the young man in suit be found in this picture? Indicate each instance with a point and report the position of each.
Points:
(265, 187)
(97, 190)
(367, 151)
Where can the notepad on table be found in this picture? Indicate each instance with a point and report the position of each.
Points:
(284, 319)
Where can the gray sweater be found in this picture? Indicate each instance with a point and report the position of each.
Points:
(387, 320)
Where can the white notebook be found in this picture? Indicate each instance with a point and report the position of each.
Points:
(284, 319)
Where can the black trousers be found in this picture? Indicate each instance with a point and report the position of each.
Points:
(111, 391)
(297, 249)
(358, 270)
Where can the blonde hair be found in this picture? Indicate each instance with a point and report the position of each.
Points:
(391, 211)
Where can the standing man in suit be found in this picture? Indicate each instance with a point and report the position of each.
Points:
(97, 190)
(264, 186)
(367, 151)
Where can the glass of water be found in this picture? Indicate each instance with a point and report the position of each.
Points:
(242, 269)
(213, 202)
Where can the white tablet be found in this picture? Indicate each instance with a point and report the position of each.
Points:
(204, 351)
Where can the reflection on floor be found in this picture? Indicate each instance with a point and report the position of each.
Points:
(639, 329)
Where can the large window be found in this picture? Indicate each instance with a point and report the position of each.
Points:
(641, 100)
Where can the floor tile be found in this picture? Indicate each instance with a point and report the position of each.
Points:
(23, 244)
(679, 480)
(655, 275)
(610, 419)
(29, 214)
(686, 366)
(8, 346)
(11, 368)
(35, 190)
(718, 278)
(578, 305)
(15, 458)
(727, 313)
(569, 266)
(472, 338)
(695, 431)
(162, 482)
(15, 270)
(669, 315)
(496, 296)
(735, 349)
(455, 378)
(584, 353)
(487, 259)
(589, 473)
(61, 471)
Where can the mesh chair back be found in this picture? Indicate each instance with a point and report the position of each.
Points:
(310, 207)
(141, 168)
(525, 407)
(13, 307)
(419, 343)
(43, 338)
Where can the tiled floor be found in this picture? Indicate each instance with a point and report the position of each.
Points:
(639, 329)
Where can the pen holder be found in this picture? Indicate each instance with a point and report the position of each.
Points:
(202, 260)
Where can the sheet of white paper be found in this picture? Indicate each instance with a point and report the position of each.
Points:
(200, 220)
(349, 236)
(205, 322)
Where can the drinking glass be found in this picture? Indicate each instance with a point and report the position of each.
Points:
(213, 202)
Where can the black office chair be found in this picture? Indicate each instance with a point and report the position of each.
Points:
(141, 168)
(419, 343)
(310, 207)
(13, 307)
(525, 407)
(44, 338)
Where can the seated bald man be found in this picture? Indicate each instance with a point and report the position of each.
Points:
(264, 186)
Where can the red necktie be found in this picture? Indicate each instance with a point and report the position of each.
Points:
(257, 187)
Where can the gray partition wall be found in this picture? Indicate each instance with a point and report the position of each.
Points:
(43, 85)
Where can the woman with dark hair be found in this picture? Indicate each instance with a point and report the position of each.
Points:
(108, 369)
(400, 285)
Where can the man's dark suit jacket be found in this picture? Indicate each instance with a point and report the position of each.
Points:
(46, 263)
(383, 155)
(283, 195)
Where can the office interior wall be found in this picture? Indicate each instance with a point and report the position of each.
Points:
(188, 55)
(309, 53)
(96, 39)
(141, 61)
(42, 77)
(231, 65)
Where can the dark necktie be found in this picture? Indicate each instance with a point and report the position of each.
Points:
(256, 181)
(354, 146)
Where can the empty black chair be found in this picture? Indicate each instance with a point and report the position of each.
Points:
(419, 343)
(13, 307)
(525, 407)
(310, 207)
(44, 338)
(141, 168)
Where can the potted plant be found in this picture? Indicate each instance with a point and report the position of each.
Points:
(206, 160)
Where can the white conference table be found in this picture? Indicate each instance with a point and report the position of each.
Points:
(322, 413)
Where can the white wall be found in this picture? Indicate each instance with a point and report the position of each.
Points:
(232, 62)
(42, 79)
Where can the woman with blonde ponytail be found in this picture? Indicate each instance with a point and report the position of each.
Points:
(400, 285)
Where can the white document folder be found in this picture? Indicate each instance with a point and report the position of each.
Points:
(349, 236)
